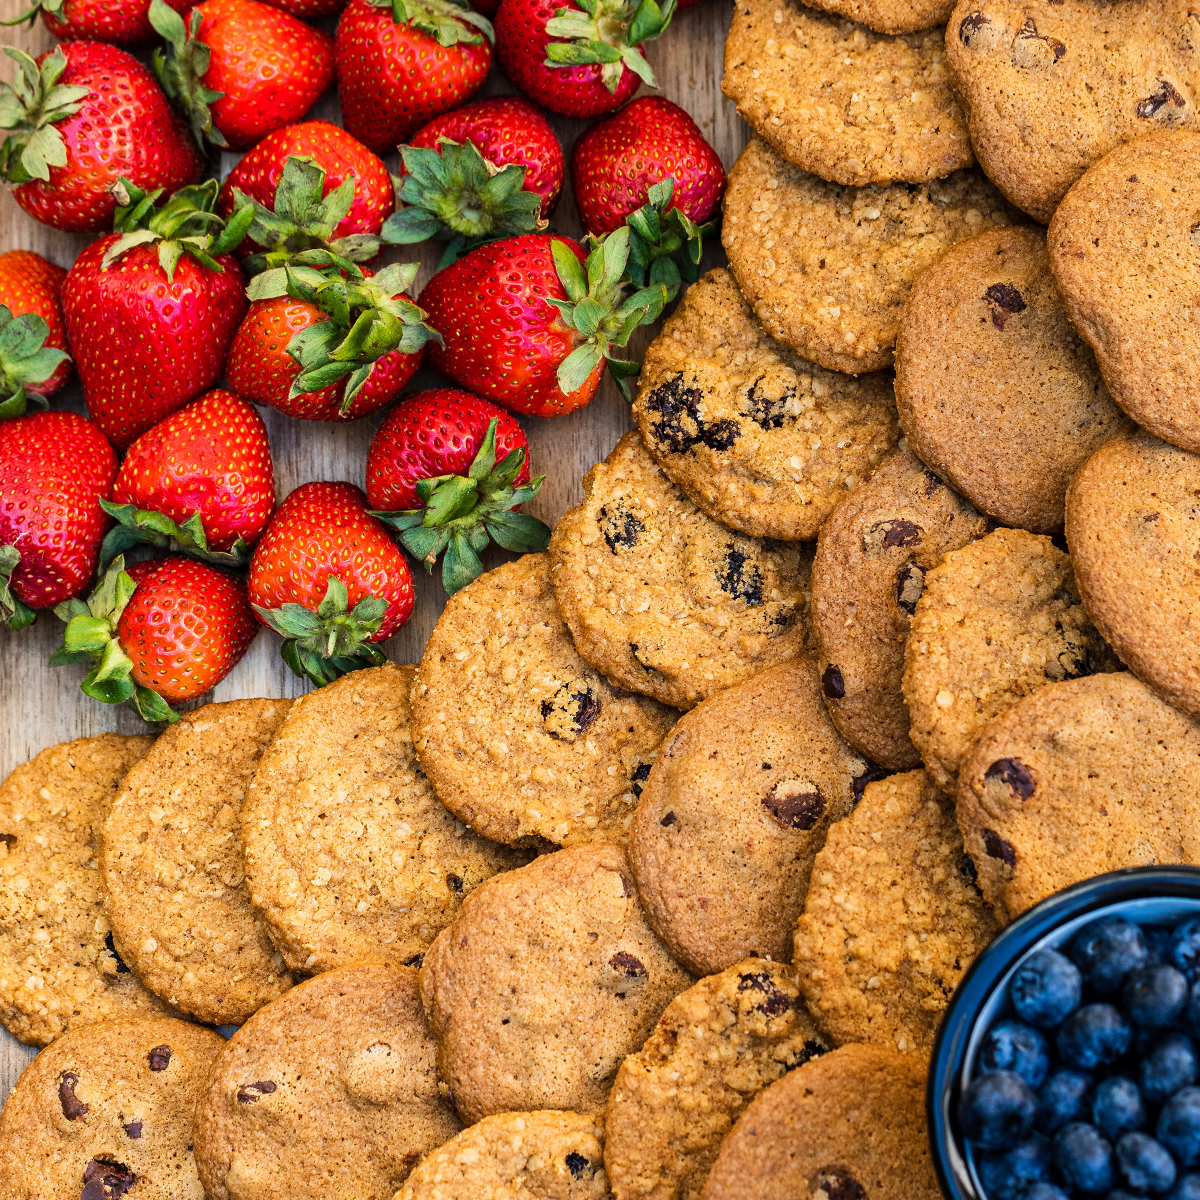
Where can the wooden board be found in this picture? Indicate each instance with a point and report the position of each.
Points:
(40, 706)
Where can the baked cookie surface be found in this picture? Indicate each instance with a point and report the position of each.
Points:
(891, 16)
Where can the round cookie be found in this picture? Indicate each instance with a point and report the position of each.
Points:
(331, 1090)
(107, 1110)
(171, 865)
(1080, 778)
(349, 855)
(757, 438)
(660, 597)
(850, 105)
(547, 979)
(996, 391)
(736, 806)
(847, 1125)
(869, 571)
(522, 1155)
(520, 738)
(1131, 517)
(828, 269)
(891, 16)
(997, 620)
(893, 918)
(58, 965)
(1125, 251)
(717, 1045)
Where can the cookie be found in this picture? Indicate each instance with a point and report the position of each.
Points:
(58, 965)
(892, 920)
(891, 16)
(522, 1155)
(997, 392)
(660, 597)
(1051, 86)
(735, 807)
(520, 738)
(1131, 519)
(848, 104)
(107, 1110)
(1124, 249)
(848, 1125)
(1080, 778)
(717, 1044)
(547, 979)
(331, 1090)
(171, 865)
(997, 620)
(757, 438)
(827, 269)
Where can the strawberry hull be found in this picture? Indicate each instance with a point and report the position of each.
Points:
(30, 284)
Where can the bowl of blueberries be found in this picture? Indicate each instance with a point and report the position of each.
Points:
(1067, 1065)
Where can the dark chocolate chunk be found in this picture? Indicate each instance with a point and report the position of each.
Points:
(1163, 95)
(417, 960)
(1015, 774)
(106, 1179)
(133, 1129)
(73, 1108)
(838, 1184)
(910, 583)
(794, 810)
(669, 819)
(1005, 302)
(454, 883)
(741, 578)
(159, 1058)
(629, 966)
(899, 533)
(810, 1050)
(932, 483)
(832, 682)
(640, 774)
(970, 25)
(252, 1093)
(1029, 32)
(9, 839)
(996, 847)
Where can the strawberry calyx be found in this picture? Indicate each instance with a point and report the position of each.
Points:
(448, 22)
(53, 7)
(14, 612)
(30, 107)
(24, 359)
(608, 32)
(180, 67)
(665, 244)
(144, 526)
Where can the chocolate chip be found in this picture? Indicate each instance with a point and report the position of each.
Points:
(971, 24)
(417, 960)
(122, 969)
(629, 966)
(872, 774)
(1163, 95)
(997, 847)
(1005, 302)
(966, 868)
(810, 1050)
(9, 839)
(73, 1109)
(668, 820)
(454, 883)
(1028, 32)
(832, 682)
(640, 774)
(721, 435)
(159, 1058)
(932, 483)
(620, 527)
(1133, 179)
(910, 583)
(252, 1093)
(794, 810)
(1151, 517)
(838, 1184)
(1014, 774)
(898, 533)
(106, 1179)
(741, 578)
(133, 1129)
(576, 1164)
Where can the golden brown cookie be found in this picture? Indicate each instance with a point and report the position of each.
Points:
(891, 16)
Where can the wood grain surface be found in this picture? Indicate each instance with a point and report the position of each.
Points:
(40, 706)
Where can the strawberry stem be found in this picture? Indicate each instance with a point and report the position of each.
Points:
(143, 526)
(608, 32)
(448, 22)
(31, 106)
(665, 245)
(180, 66)
(53, 7)
(14, 612)
(24, 359)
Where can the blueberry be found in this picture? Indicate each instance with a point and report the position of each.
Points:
(1120, 1194)
(1011, 1046)
(1064, 1097)
(1185, 946)
(1093, 1035)
(1171, 1065)
(1144, 1164)
(1117, 1107)
(1187, 1187)
(1051, 1191)
(1178, 1126)
(1159, 941)
(1006, 1175)
(1191, 1014)
(1106, 951)
(997, 1110)
(1084, 1158)
(1155, 995)
(1045, 988)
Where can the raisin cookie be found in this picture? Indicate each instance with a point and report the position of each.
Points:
(716, 1046)
(1080, 778)
(547, 979)
(171, 865)
(837, 99)
(846, 1126)
(737, 804)
(58, 965)
(1125, 252)
(893, 918)
(757, 438)
(106, 1110)
(891, 16)
(997, 392)
(828, 269)
(521, 738)
(329, 1091)
(1051, 86)
(660, 597)
(997, 620)
(349, 854)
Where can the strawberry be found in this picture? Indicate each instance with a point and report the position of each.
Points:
(307, 9)
(401, 62)
(166, 630)
(33, 358)
(152, 308)
(257, 69)
(201, 478)
(432, 469)
(123, 22)
(515, 330)
(327, 577)
(55, 467)
(81, 118)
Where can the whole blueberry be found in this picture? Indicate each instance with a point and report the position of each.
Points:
(1012, 1046)
(1050, 1191)
(1092, 1036)
(1155, 995)
(1106, 951)
(1084, 1158)
(1171, 1065)
(1185, 946)
(997, 1110)
(1118, 1107)
(1045, 988)
(1144, 1164)
(1063, 1098)
(1159, 941)
(1178, 1126)
(1187, 1187)
(1007, 1174)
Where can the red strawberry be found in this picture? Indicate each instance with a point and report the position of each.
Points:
(33, 356)
(307, 9)
(401, 62)
(55, 467)
(86, 115)
(124, 22)
(329, 579)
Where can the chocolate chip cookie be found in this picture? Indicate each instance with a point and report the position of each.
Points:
(837, 99)
(757, 438)
(171, 865)
(716, 1046)
(660, 597)
(891, 16)
(1051, 86)
(107, 1110)
(547, 979)
(521, 738)
(736, 805)
(869, 572)
(828, 269)
(893, 918)
(1080, 778)
(329, 1091)
(998, 619)
(997, 392)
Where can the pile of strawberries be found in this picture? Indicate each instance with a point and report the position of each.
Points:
(263, 282)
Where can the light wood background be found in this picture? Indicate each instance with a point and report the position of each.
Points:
(40, 706)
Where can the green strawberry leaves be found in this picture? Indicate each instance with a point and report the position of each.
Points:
(53, 7)
(31, 106)
(448, 22)
(14, 612)
(143, 526)
(180, 66)
(608, 32)
(24, 359)
(665, 245)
